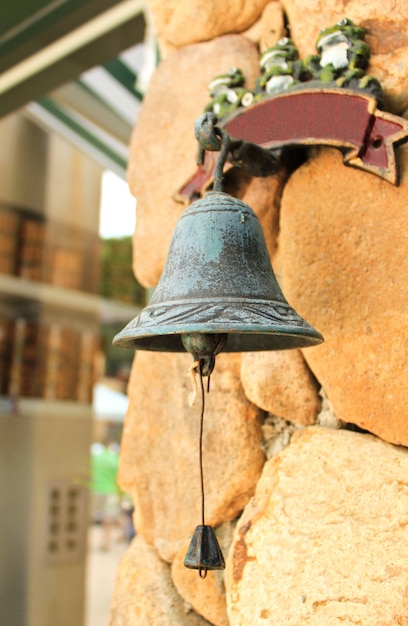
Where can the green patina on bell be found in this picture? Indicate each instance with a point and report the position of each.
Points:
(218, 280)
(204, 552)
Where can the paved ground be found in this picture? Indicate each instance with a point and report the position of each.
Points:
(101, 571)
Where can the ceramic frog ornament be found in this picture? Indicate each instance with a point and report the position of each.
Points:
(280, 68)
(343, 58)
(342, 62)
(227, 93)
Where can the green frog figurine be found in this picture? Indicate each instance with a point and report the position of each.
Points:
(280, 68)
(343, 58)
(227, 93)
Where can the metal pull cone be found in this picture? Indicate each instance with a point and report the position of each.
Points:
(204, 552)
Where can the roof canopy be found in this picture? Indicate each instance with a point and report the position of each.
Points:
(79, 67)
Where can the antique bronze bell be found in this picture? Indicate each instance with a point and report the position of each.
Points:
(217, 290)
(217, 293)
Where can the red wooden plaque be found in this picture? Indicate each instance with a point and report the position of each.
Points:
(341, 118)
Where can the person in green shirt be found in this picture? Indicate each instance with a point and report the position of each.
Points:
(105, 489)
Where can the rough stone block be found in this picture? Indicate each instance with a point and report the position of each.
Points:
(344, 265)
(269, 28)
(281, 383)
(144, 594)
(181, 22)
(323, 541)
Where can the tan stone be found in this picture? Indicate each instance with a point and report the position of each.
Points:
(387, 24)
(327, 416)
(264, 196)
(181, 22)
(277, 434)
(270, 27)
(144, 594)
(281, 383)
(159, 457)
(206, 597)
(163, 147)
(323, 542)
(344, 251)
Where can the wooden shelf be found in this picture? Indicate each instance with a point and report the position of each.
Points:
(31, 407)
(23, 294)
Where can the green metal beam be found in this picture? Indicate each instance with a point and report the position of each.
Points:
(124, 75)
(58, 112)
(27, 26)
(84, 101)
(97, 52)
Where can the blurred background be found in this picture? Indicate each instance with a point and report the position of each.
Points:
(72, 78)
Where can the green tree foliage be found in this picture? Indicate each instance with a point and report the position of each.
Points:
(117, 279)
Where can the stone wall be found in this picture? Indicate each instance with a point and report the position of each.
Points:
(305, 452)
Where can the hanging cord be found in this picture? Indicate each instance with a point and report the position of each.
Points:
(202, 571)
(195, 371)
(201, 445)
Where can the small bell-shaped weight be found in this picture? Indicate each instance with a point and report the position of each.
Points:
(204, 552)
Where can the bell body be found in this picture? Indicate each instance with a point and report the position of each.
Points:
(218, 279)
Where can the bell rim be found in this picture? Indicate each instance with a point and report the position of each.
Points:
(232, 316)
(304, 336)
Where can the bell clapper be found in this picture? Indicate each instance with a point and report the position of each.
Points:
(204, 347)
